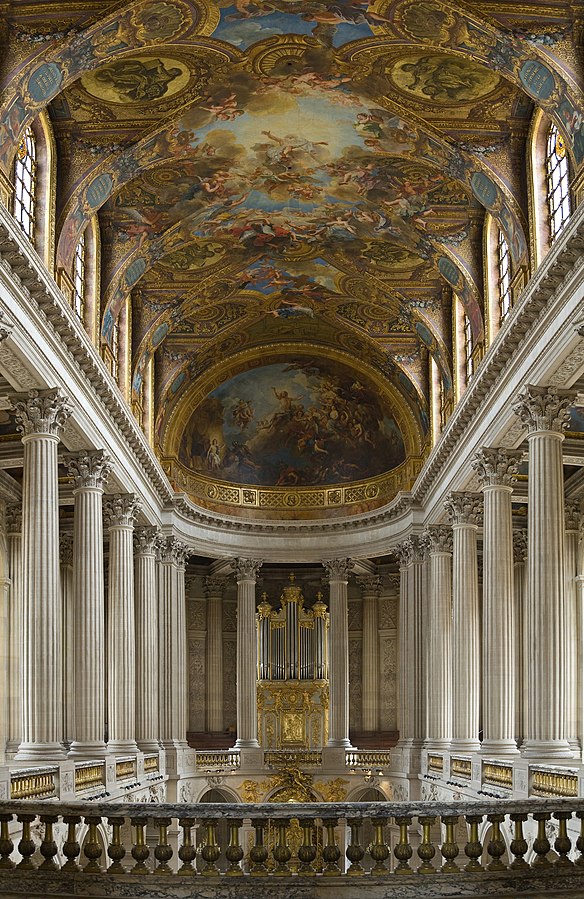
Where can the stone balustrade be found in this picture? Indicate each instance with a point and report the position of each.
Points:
(368, 758)
(218, 759)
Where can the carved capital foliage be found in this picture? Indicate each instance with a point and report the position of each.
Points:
(496, 467)
(120, 510)
(90, 469)
(544, 408)
(246, 569)
(338, 569)
(438, 538)
(146, 541)
(14, 519)
(573, 517)
(66, 549)
(410, 550)
(215, 586)
(173, 551)
(519, 546)
(464, 508)
(370, 584)
(41, 412)
(6, 326)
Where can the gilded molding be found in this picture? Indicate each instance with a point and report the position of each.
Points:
(41, 412)
(90, 469)
(120, 510)
(464, 508)
(544, 408)
(496, 467)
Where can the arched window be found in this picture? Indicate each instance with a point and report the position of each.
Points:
(504, 276)
(79, 279)
(116, 350)
(468, 347)
(25, 165)
(558, 182)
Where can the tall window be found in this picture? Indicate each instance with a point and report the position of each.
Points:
(25, 183)
(116, 349)
(504, 279)
(468, 347)
(79, 278)
(558, 182)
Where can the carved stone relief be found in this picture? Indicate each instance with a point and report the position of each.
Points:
(229, 670)
(355, 682)
(196, 683)
(388, 685)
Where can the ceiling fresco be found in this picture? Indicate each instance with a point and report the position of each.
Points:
(271, 173)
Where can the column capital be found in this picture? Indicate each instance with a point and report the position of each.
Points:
(438, 538)
(215, 586)
(246, 569)
(410, 550)
(464, 508)
(6, 326)
(496, 467)
(41, 412)
(90, 468)
(519, 546)
(544, 408)
(120, 510)
(14, 519)
(146, 541)
(338, 569)
(66, 549)
(573, 517)
(172, 551)
(370, 584)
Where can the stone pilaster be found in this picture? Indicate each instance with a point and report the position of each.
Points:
(41, 416)
(496, 469)
(465, 511)
(214, 590)
(90, 471)
(173, 651)
(571, 693)
(370, 591)
(120, 513)
(438, 540)
(521, 647)
(146, 609)
(15, 630)
(68, 634)
(246, 572)
(337, 572)
(545, 412)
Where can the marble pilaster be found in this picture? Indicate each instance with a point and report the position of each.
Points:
(545, 412)
(15, 630)
(41, 415)
(146, 610)
(246, 572)
(120, 513)
(214, 590)
(438, 539)
(337, 572)
(496, 469)
(465, 511)
(90, 471)
(370, 591)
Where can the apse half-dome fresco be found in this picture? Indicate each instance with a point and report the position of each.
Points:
(302, 423)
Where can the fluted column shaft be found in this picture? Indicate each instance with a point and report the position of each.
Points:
(404, 707)
(338, 578)
(411, 648)
(464, 510)
(521, 645)
(214, 589)
(120, 511)
(181, 669)
(68, 632)
(545, 412)
(370, 591)
(173, 646)
(571, 644)
(439, 673)
(15, 630)
(246, 571)
(146, 608)
(41, 416)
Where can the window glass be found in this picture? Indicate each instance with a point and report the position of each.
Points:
(558, 182)
(25, 183)
(504, 281)
(79, 278)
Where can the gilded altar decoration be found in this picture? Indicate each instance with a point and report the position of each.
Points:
(253, 790)
(332, 790)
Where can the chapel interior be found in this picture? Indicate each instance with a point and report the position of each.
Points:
(291, 440)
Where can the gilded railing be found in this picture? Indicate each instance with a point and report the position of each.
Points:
(151, 763)
(546, 782)
(461, 768)
(435, 763)
(34, 783)
(88, 776)
(218, 758)
(367, 758)
(125, 768)
(300, 758)
(498, 775)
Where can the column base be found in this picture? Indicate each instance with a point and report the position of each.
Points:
(546, 749)
(11, 749)
(40, 752)
(437, 745)
(344, 743)
(172, 745)
(122, 747)
(148, 745)
(81, 750)
(462, 744)
(496, 748)
(246, 744)
(574, 745)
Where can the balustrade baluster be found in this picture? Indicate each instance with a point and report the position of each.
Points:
(48, 848)
(258, 853)
(474, 848)
(211, 851)
(71, 847)
(355, 851)
(496, 845)
(307, 851)
(379, 850)
(403, 851)
(115, 850)
(563, 844)
(519, 845)
(163, 851)
(92, 849)
(449, 847)
(140, 851)
(331, 852)
(281, 851)
(541, 844)
(187, 852)
(6, 844)
(426, 849)
(234, 852)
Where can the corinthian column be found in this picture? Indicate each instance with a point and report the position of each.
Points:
(496, 469)
(337, 572)
(544, 410)
(15, 629)
(246, 572)
(120, 512)
(173, 639)
(370, 591)
(570, 643)
(412, 648)
(146, 607)
(214, 590)
(521, 646)
(464, 511)
(68, 634)
(439, 672)
(90, 472)
(41, 416)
